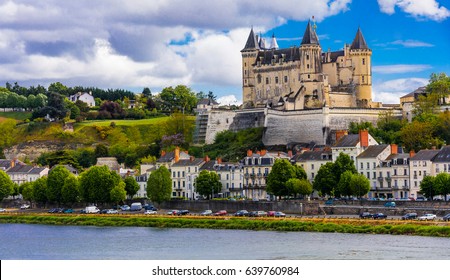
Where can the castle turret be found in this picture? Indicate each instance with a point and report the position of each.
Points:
(273, 43)
(311, 76)
(249, 54)
(362, 63)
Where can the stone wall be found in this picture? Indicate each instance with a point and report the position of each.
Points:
(33, 149)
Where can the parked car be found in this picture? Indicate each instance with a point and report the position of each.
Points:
(150, 212)
(53, 210)
(390, 204)
(172, 212)
(24, 206)
(365, 215)
(270, 213)
(182, 212)
(112, 211)
(206, 213)
(379, 216)
(427, 217)
(125, 208)
(258, 214)
(2, 210)
(136, 206)
(241, 213)
(421, 198)
(329, 202)
(409, 216)
(446, 217)
(279, 214)
(220, 213)
(104, 211)
(68, 211)
(150, 207)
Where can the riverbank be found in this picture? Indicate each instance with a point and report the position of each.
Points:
(394, 227)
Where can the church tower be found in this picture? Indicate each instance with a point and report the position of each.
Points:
(311, 74)
(249, 55)
(361, 57)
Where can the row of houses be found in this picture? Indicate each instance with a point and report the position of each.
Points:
(391, 172)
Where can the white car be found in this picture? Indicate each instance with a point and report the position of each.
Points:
(2, 210)
(427, 217)
(150, 212)
(25, 206)
(112, 211)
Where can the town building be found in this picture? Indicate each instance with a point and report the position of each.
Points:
(311, 161)
(352, 144)
(420, 165)
(22, 173)
(84, 97)
(231, 177)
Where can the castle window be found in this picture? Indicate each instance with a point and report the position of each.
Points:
(307, 66)
(363, 61)
(267, 80)
(245, 64)
(363, 79)
(309, 76)
(245, 72)
(285, 79)
(259, 79)
(276, 80)
(307, 56)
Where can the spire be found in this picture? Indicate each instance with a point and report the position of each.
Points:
(252, 43)
(310, 36)
(262, 42)
(359, 42)
(273, 43)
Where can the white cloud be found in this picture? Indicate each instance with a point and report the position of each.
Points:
(400, 68)
(389, 92)
(411, 43)
(229, 100)
(421, 9)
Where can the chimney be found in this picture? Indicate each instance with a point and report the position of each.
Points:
(219, 160)
(340, 134)
(13, 163)
(394, 149)
(177, 154)
(249, 153)
(364, 138)
(290, 153)
(258, 152)
(263, 152)
(191, 158)
(163, 153)
(412, 153)
(206, 159)
(433, 147)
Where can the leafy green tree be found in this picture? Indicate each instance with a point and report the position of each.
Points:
(299, 186)
(159, 185)
(15, 190)
(442, 184)
(96, 183)
(282, 171)
(131, 186)
(343, 163)
(85, 157)
(359, 185)
(70, 192)
(427, 187)
(343, 187)
(300, 173)
(118, 193)
(440, 86)
(207, 183)
(55, 183)
(101, 151)
(26, 189)
(40, 190)
(418, 135)
(6, 185)
(8, 132)
(146, 92)
(59, 88)
(325, 180)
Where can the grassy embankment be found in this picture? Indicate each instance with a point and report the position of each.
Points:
(395, 227)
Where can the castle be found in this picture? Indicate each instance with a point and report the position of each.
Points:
(304, 77)
(299, 94)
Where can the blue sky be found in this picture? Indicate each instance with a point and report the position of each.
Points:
(135, 43)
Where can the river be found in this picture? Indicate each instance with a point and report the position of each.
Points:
(44, 242)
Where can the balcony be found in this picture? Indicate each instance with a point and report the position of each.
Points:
(380, 179)
(388, 179)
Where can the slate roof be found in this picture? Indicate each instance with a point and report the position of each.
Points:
(372, 151)
(425, 155)
(188, 162)
(310, 36)
(416, 93)
(252, 43)
(333, 55)
(359, 43)
(36, 170)
(350, 140)
(443, 155)
(398, 156)
(169, 156)
(208, 166)
(5, 164)
(20, 169)
(312, 155)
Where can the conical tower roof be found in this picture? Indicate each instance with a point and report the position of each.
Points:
(310, 36)
(359, 43)
(252, 42)
(274, 43)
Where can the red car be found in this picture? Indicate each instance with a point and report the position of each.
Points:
(271, 213)
(220, 213)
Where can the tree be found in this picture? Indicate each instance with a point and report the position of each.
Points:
(325, 180)
(299, 186)
(207, 183)
(442, 184)
(300, 173)
(40, 190)
(101, 151)
(6, 185)
(97, 182)
(343, 163)
(55, 183)
(146, 92)
(359, 185)
(418, 135)
(282, 171)
(118, 193)
(343, 187)
(159, 185)
(26, 189)
(131, 186)
(70, 192)
(427, 187)
(440, 86)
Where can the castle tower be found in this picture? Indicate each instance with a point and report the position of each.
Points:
(311, 76)
(273, 43)
(361, 57)
(249, 55)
